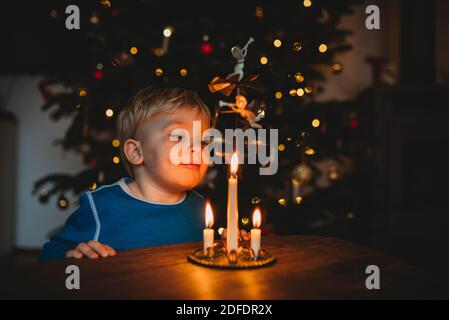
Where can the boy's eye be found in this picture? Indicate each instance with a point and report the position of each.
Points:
(179, 138)
(175, 137)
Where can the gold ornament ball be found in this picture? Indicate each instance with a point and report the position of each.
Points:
(183, 72)
(159, 72)
(299, 77)
(63, 202)
(116, 143)
(255, 200)
(309, 152)
(336, 68)
(322, 48)
(168, 31)
(278, 95)
(158, 52)
(109, 112)
(300, 92)
(297, 46)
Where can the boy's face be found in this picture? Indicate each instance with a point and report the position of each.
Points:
(156, 144)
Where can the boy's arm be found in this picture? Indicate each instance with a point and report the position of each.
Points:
(55, 249)
(80, 227)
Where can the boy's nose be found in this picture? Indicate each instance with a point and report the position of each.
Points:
(196, 154)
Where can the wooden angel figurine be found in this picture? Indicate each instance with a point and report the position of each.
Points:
(239, 54)
(240, 107)
(227, 85)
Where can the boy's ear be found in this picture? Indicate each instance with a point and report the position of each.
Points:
(133, 151)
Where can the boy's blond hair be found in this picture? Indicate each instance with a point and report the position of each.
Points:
(149, 102)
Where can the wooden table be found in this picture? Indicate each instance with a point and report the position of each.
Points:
(307, 267)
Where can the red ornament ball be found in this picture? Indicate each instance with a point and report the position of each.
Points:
(206, 48)
(354, 123)
(98, 74)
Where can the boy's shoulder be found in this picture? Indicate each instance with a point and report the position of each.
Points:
(105, 196)
(119, 189)
(106, 190)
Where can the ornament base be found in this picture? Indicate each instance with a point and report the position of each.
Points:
(219, 258)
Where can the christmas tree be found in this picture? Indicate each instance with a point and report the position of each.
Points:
(127, 45)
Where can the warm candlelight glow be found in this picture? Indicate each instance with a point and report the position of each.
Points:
(257, 218)
(209, 216)
(234, 163)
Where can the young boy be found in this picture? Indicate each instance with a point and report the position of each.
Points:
(157, 206)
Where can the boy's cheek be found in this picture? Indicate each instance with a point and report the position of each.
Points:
(203, 169)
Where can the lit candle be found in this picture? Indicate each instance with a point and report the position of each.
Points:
(208, 233)
(232, 231)
(256, 232)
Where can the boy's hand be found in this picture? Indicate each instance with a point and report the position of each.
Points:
(93, 249)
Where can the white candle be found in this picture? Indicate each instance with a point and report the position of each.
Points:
(232, 231)
(256, 232)
(208, 233)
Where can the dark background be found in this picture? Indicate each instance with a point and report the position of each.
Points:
(395, 198)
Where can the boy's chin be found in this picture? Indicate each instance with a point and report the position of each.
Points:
(182, 182)
(186, 178)
(186, 185)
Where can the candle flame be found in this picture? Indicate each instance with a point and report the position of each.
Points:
(257, 218)
(209, 216)
(234, 163)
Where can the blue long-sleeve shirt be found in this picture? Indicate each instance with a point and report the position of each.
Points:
(113, 216)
